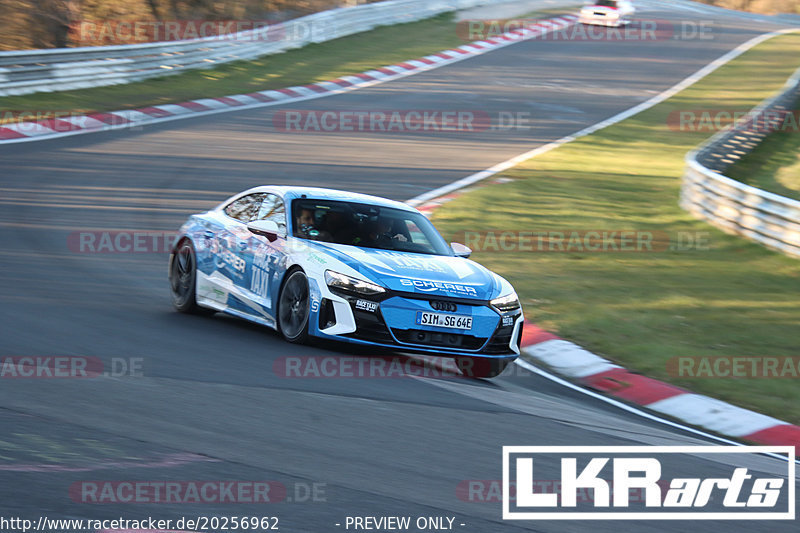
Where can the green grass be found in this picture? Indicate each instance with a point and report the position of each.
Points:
(774, 165)
(315, 62)
(732, 298)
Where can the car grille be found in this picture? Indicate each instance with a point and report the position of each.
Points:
(500, 341)
(327, 315)
(436, 338)
(370, 326)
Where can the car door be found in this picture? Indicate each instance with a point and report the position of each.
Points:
(266, 257)
(231, 243)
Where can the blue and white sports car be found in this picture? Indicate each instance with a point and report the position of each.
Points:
(350, 267)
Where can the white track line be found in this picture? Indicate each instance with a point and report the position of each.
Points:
(657, 99)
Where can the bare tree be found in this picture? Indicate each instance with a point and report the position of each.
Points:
(52, 20)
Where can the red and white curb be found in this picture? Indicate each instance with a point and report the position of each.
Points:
(582, 366)
(94, 122)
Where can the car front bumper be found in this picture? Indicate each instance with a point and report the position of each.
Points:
(389, 321)
(600, 20)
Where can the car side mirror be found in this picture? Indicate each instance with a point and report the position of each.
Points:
(460, 250)
(267, 228)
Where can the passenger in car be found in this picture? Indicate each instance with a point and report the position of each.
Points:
(304, 225)
(335, 228)
(382, 234)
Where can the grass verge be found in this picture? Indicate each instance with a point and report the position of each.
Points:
(315, 62)
(774, 165)
(729, 298)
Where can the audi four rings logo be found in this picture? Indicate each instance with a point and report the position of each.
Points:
(443, 306)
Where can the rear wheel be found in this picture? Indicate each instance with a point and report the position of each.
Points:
(183, 277)
(293, 308)
(481, 367)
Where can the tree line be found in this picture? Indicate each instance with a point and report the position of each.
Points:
(768, 7)
(61, 23)
(28, 24)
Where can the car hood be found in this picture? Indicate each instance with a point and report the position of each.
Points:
(433, 275)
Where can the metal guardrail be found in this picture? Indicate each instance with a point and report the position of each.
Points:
(29, 71)
(732, 206)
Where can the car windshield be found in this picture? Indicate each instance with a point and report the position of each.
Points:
(606, 3)
(366, 226)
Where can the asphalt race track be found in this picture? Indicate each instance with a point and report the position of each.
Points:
(209, 405)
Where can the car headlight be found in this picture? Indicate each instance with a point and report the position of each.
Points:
(506, 303)
(335, 280)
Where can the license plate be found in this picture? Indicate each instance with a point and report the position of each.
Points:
(443, 320)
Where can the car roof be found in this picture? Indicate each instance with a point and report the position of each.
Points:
(318, 193)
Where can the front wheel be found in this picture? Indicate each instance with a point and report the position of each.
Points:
(293, 308)
(481, 367)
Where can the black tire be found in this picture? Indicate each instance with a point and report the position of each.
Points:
(183, 278)
(481, 367)
(294, 307)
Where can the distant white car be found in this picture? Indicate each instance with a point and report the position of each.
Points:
(607, 13)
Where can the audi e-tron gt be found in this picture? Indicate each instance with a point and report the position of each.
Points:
(336, 265)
